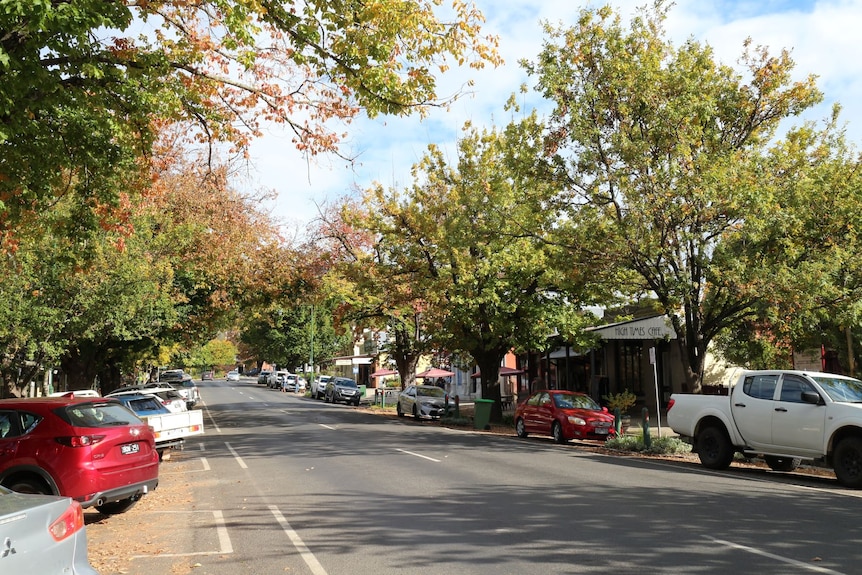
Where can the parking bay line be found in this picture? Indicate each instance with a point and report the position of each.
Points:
(298, 543)
(789, 561)
(418, 455)
(221, 530)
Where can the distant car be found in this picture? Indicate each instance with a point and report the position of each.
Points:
(318, 386)
(206, 376)
(264, 377)
(301, 384)
(171, 399)
(42, 535)
(232, 375)
(91, 449)
(342, 389)
(279, 379)
(288, 382)
(564, 415)
(422, 401)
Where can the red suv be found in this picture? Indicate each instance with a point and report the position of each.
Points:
(93, 450)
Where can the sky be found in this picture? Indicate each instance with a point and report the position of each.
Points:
(822, 36)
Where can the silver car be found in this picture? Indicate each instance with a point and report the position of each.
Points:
(42, 534)
(422, 401)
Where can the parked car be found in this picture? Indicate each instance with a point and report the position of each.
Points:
(183, 383)
(170, 429)
(301, 384)
(232, 375)
(288, 382)
(278, 379)
(422, 401)
(206, 376)
(564, 415)
(171, 399)
(318, 386)
(265, 377)
(342, 389)
(42, 535)
(93, 450)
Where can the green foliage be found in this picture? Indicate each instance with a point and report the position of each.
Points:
(218, 352)
(673, 182)
(658, 445)
(623, 400)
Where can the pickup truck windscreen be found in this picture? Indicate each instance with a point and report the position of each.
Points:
(841, 389)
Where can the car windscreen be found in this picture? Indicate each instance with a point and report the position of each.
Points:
(572, 401)
(431, 392)
(98, 415)
(345, 382)
(841, 389)
(145, 404)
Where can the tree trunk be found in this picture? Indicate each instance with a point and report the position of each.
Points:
(489, 367)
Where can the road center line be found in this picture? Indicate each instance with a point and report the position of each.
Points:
(305, 553)
(794, 562)
(418, 455)
(236, 456)
(326, 426)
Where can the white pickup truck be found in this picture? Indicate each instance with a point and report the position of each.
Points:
(785, 416)
(170, 429)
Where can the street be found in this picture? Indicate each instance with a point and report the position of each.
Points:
(285, 484)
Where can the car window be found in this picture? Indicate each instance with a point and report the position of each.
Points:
(346, 382)
(97, 415)
(760, 386)
(544, 399)
(792, 387)
(431, 391)
(8, 424)
(144, 404)
(843, 389)
(534, 400)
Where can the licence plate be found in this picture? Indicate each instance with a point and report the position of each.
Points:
(130, 448)
(602, 430)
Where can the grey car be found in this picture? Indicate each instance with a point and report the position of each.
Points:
(42, 534)
(342, 389)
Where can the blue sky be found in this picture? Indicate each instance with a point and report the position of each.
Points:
(822, 36)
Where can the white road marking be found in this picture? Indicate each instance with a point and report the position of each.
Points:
(304, 552)
(326, 426)
(221, 529)
(236, 456)
(418, 455)
(794, 562)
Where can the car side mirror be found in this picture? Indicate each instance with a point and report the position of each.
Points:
(811, 397)
(605, 409)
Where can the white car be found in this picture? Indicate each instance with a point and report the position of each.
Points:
(422, 401)
(170, 398)
(232, 375)
(318, 386)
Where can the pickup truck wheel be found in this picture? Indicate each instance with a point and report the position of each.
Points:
(713, 448)
(117, 507)
(782, 463)
(848, 462)
(520, 428)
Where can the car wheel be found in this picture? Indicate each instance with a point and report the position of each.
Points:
(117, 507)
(520, 429)
(557, 432)
(415, 412)
(847, 462)
(713, 448)
(782, 463)
(398, 409)
(30, 485)
(356, 402)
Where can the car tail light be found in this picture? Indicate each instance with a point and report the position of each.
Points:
(670, 404)
(79, 440)
(69, 523)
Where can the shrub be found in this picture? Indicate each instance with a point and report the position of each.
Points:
(659, 445)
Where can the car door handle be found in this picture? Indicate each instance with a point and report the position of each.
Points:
(738, 405)
(781, 409)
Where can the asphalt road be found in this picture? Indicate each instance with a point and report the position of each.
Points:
(285, 484)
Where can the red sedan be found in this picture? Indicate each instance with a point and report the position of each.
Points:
(91, 449)
(564, 415)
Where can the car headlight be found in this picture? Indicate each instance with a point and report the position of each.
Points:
(576, 420)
